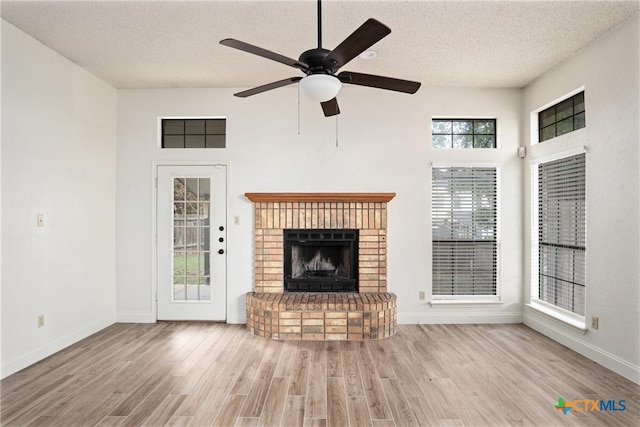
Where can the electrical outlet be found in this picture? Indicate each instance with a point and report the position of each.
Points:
(41, 321)
(594, 322)
(422, 296)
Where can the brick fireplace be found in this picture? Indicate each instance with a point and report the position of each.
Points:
(367, 314)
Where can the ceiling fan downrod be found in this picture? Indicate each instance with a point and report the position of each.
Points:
(319, 24)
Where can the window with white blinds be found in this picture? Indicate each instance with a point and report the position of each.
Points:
(561, 233)
(464, 224)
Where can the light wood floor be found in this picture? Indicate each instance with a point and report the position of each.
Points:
(202, 374)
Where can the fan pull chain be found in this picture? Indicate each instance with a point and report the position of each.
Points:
(336, 131)
(298, 109)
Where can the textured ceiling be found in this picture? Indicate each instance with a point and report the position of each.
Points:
(153, 44)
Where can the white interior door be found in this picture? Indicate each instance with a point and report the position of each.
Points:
(191, 249)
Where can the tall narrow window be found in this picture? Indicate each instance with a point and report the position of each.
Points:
(464, 206)
(561, 233)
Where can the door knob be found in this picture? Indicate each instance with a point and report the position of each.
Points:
(221, 251)
(221, 239)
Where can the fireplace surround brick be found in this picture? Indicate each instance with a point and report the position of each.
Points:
(275, 314)
(273, 217)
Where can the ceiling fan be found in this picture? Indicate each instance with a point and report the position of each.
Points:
(321, 83)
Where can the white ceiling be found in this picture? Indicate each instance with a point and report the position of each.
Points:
(160, 44)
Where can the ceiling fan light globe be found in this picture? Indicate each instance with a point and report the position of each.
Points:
(320, 87)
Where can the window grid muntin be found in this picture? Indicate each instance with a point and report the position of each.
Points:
(561, 249)
(460, 131)
(464, 257)
(193, 133)
(550, 118)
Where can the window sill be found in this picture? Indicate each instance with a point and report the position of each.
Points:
(464, 303)
(573, 321)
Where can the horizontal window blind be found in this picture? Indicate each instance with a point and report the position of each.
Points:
(561, 233)
(463, 203)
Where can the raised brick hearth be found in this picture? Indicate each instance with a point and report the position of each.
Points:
(273, 313)
(321, 316)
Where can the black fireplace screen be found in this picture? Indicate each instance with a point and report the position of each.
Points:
(321, 260)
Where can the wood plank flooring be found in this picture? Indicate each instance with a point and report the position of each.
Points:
(199, 374)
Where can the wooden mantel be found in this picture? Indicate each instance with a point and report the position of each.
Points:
(320, 197)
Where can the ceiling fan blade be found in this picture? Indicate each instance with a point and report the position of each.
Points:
(379, 82)
(330, 107)
(269, 86)
(360, 40)
(246, 47)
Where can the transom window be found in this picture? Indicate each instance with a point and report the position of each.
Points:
(463, 133)
(464, 228)
(564, 117)
(194, 133)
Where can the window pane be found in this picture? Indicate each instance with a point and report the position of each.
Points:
(173, 141)
(440, 126)
(578, 103)
(462, 127)
(178, 189)
(194, 141)
(564, 109)
(204, 189)
(484, 141)
(192, 264)
(485, 127)
(548, 133)
(179, 264)
(192, 189)
(216, 127)
(173, 127)
(463, 141)
(547, 117)
(179, 211)
(442, 141)
(194, 127)
(579, 121)
(565, 126)
(192, 209)
(216, 141)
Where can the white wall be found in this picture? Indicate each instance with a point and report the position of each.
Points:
(384, 146)
(58, 159)
(608, 70)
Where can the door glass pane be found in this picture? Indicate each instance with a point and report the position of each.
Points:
(204, 189)
(191, 239)
(192, 188)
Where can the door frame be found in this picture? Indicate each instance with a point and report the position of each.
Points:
(153, 297)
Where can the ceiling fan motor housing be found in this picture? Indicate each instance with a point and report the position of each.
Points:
(315, 59)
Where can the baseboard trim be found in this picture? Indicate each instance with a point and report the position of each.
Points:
(598, 355)
(135, 317)
(28, 359)
(458, 318)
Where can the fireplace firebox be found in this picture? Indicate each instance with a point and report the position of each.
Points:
(321, 260)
